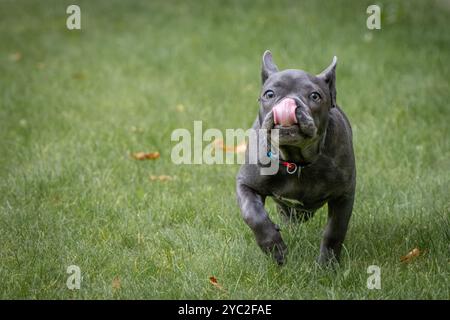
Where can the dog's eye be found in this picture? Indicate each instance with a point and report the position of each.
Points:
(315, 96)
(269, 94)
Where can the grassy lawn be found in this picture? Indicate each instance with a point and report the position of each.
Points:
(74, 104)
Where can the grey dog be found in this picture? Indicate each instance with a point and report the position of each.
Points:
(318, 149)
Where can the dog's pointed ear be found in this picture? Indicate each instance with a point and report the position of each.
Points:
(329, 76)
(268, 66)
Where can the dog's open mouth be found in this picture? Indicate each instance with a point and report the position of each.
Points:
(294, 127)
(292, 132)
(296, 134)
(290, 135)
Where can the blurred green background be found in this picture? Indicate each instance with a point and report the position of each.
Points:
(74, 104)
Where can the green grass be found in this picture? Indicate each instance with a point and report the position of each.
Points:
(70, 193)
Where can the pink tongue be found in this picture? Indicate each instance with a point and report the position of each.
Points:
(284, 112)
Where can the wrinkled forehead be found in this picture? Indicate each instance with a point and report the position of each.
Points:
(293, 80)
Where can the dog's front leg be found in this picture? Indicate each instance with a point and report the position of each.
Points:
(267, 233)
(339, 212)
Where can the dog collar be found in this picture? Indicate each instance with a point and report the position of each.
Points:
(291, 167)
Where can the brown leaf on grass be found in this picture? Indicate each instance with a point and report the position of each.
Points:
(213, 281)
(78, 76)
(161, 178)
(145, 155)
(414, 253)
(116, 283)
(15, 57)
(240, 148)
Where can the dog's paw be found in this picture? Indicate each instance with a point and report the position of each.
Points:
(272, 243)
(327, 259)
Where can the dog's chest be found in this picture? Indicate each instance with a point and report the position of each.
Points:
(288, 201)
(299, 193)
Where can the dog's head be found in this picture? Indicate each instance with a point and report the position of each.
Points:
(295, 102)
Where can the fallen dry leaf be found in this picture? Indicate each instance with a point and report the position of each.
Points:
(218, 143)
(145, 155)
(16, 56)
(414, 253)
(240, 148)
(78, 76)
(161, 178)
(213, 281)
(116, 283)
